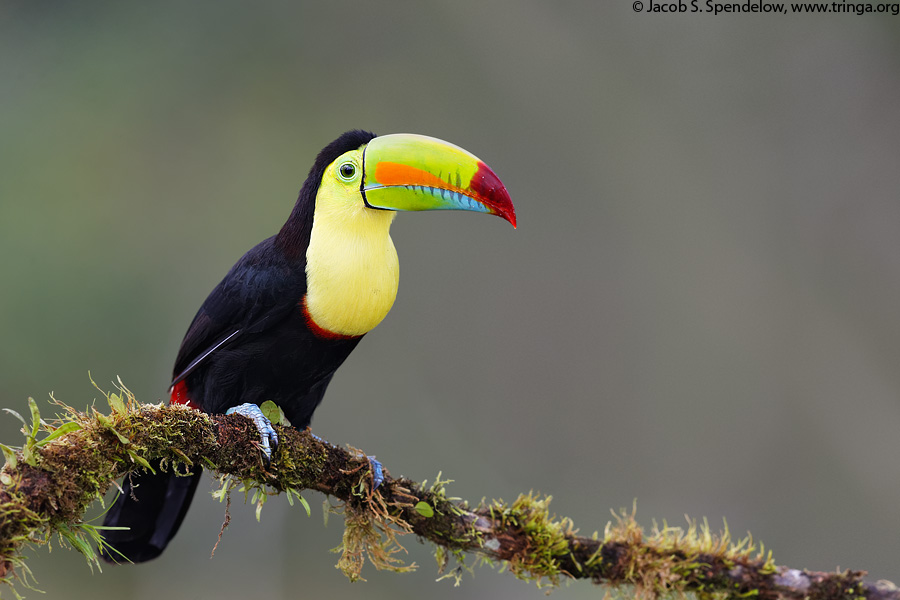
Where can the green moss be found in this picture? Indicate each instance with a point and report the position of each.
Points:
(547, 537)
(67, 463)
(59, 480)
(676, 559)
(372, 533)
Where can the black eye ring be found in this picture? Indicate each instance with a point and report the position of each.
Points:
(347, 171)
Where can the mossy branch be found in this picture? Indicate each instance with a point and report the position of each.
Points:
(47, 484)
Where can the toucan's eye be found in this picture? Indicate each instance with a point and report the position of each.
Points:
(347, 171)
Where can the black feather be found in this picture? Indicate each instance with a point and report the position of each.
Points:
(261, 287)
(154, 520)
(294, 236)
(271, 354)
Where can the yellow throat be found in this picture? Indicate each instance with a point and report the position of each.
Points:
(352, 272)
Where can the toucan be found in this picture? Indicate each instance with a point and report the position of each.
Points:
(291, 310)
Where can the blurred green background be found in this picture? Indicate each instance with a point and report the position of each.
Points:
(699, 309)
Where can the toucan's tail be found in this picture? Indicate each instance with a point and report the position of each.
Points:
(152, 507)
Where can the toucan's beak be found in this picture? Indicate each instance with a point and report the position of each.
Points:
(404, 171)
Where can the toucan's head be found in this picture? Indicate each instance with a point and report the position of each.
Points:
(341, 221)
(409, 172)
(398, 172)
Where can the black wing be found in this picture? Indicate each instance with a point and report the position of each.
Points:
(259, 291)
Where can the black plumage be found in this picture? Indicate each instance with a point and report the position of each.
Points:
(255, 337)
(251, 341)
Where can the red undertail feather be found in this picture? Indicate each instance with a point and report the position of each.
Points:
(180, 395)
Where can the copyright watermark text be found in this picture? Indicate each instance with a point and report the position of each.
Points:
(717, 7)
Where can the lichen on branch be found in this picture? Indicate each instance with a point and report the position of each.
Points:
(69, 462)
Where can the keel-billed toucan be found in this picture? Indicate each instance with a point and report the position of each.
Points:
(289, 312)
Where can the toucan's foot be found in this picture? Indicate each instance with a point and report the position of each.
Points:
(268, 437)
(377, 472)
(377, 469)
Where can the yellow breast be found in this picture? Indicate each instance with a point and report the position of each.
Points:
(352, 272)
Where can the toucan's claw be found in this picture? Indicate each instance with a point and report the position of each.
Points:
(374, 465)
(377, 472)
(267, 436)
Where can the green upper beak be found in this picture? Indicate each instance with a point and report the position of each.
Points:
(404, 171)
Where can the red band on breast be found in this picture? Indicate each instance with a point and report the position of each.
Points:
(320, 332)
